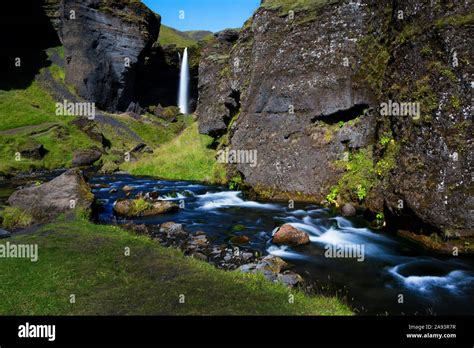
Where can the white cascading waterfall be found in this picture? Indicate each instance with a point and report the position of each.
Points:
(183, 96)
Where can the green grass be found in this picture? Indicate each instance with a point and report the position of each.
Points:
(359, 179)
(170, 36)
(187, 157)
(26, 107)
(296, 5)
(88, 261)
(34, 107)
(60, 142)
(156, 134)
(456, 20)
(15, 218)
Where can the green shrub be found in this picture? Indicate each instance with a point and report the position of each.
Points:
(235, 183)
(332, 195)
(14, 217)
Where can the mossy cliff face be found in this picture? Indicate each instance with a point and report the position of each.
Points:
(303, 86)
(218, 101)
(104, 44)
(294, 88)
(431, 64)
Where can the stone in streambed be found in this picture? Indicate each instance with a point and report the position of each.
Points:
(272, 264)
(290, 235)
(348, 210)
(199, 240)
(132, 208)
(273, 269)
(171, 228)
(239, 240)
(138, 229)
(290, 279)
(128, 188)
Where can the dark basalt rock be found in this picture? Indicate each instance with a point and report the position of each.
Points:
(228, 35)
(86, 157)
(287, 85)
(33, 150)
(218, 103)
(104, 44)
(89, 127)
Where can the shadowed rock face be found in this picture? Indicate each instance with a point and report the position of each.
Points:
(292, 86)
(291, 81)
(218, 103)
(104, 43)
(159, 76)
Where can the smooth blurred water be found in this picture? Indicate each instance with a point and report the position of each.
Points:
(429, 284)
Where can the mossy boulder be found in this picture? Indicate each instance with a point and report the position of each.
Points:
(139, 207)
(63, 194)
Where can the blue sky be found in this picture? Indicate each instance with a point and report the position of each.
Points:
(213, 15)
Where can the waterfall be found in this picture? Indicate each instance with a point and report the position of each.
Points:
(183, 98)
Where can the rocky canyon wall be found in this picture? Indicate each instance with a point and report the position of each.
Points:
(105, 42)
(304, 87)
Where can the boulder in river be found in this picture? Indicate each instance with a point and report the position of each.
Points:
(290, 235)
(62, 194)
(348, 210)
(140, 207)
(128, 188)
(239, 240)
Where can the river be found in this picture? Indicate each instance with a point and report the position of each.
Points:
(394, 277)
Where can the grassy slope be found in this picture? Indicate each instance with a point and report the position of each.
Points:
(88, 261)
(34, 106)
(169, 36)
(186, 157)
(287, 5)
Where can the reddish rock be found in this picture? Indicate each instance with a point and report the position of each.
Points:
(290, 235)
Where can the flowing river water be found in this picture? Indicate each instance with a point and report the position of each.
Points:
(392, 269)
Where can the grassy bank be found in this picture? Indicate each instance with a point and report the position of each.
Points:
(88, 261)
(187, 157)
